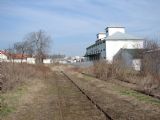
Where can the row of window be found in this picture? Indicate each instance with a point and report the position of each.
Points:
(98, 51)
(97, 44)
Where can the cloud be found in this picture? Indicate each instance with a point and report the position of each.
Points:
(70, 21)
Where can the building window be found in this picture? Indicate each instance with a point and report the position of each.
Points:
(104, 49)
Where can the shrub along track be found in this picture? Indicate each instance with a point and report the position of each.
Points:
(119, 102)
(135, 88)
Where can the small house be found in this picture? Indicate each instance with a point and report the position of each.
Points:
(129, 58)
(3, 56)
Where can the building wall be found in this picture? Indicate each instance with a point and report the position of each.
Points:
(101, 36)
(18, 60)
(112, 47)
(31, 60)
(47, 61)
(3, 57)
(98, 48)
(136, 64)
(111, 31)
(126, 60)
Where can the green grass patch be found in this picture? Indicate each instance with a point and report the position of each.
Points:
(10, 100)
(5, 109)
(87, 77)
(139, 96)
(128, 92)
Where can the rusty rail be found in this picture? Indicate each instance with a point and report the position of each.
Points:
(108, 117)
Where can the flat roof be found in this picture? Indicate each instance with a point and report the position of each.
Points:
(122, 36)
(114, 27)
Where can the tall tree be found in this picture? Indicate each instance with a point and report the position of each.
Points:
(40, 43)
(22, 48)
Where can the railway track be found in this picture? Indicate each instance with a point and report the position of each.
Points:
(107, 116)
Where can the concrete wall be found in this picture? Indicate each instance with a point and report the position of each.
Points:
(136, 64)
(112, 47)
(101, 35)
(126, 60)
(19, 60)
(47, 61)
(3, 57)
(111, 31)
(31, 60)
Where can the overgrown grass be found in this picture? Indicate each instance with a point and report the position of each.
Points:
(137, 95)
(9, 100)
(146, 83)
(15, 74)
(5, 109)
(141, 97)
(14, 80)
(129, 92)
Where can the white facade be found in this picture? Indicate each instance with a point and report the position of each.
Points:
(31, 60)
(47, 61)
(3, 57)
(19, 60)
(111, 30)
(101, 35)
(112, 47)
(136, 64)
(107, 47)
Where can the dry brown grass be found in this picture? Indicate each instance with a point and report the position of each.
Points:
(15, 74)
(103, 70)
(147, 83)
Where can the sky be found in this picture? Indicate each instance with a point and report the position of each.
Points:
(73, 24)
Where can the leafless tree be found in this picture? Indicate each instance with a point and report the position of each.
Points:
(151, 58)
(151, 44)
(22, 48)
(39, 43)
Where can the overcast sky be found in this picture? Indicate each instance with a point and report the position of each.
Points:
(73, 24)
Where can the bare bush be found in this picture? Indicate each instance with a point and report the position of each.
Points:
(39, 44)
(103, 69)
(151, 64)
(16, 74)
(148, 84)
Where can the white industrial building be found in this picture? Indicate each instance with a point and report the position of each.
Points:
(110, 42)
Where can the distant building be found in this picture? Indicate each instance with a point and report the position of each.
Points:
(47, 61)
(3, 56)
(110, 42)
(31, 60)
(17, 58)
(129, 58)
